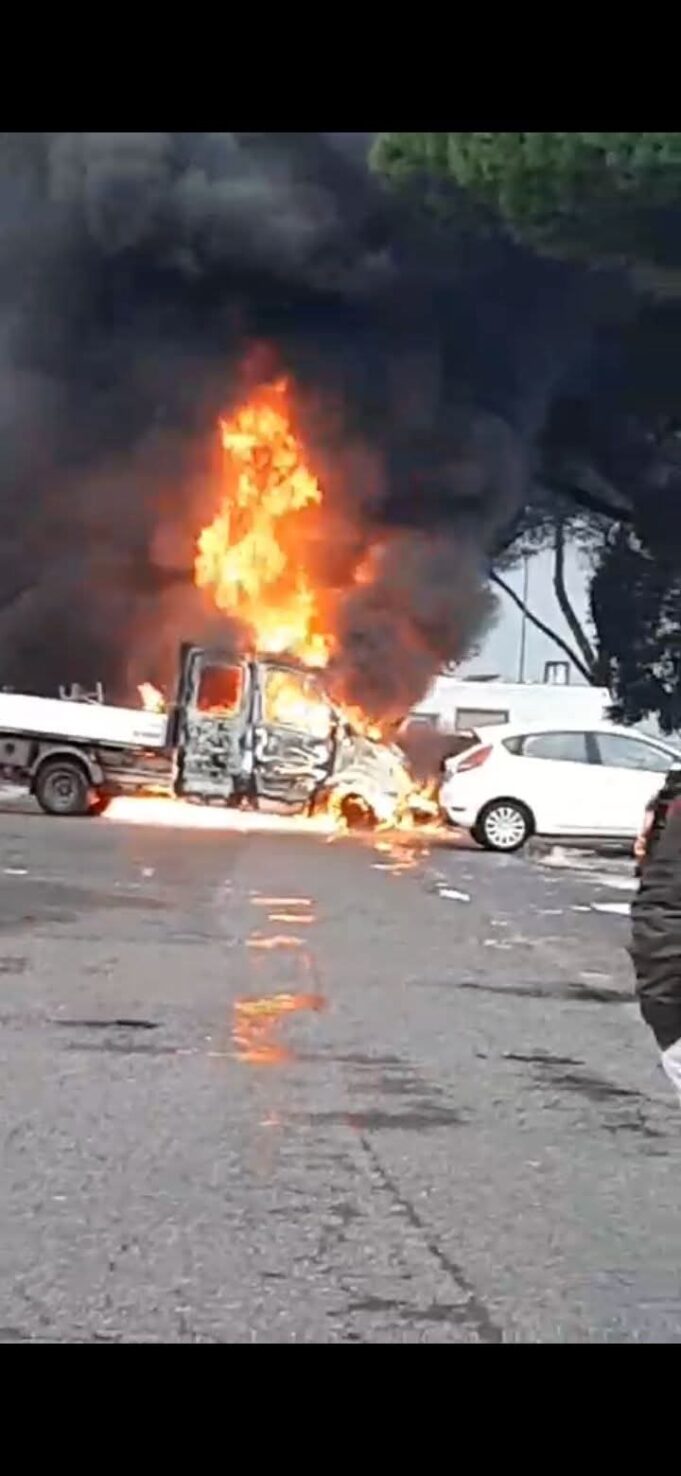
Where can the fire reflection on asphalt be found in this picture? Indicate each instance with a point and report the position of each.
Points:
(256, 1021)
(286, 914)
(274, 942)
(290, 917)
(399, 857)
(258, 901)
(257, 1018)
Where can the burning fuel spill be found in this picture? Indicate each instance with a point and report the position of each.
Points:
(178, 815)
(175, 814)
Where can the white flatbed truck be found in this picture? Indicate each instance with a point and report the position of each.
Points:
(75, 756)
(242, 730)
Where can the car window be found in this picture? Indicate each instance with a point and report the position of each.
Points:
(619, 752)
(480, 717)
(561, 747)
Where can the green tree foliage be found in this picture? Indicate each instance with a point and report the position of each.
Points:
(603, 199)
(604, 196)
(636, 607)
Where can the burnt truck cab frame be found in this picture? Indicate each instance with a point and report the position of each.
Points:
(262, 730)
(250, 728)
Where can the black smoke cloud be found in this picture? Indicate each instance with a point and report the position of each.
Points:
(141, 276)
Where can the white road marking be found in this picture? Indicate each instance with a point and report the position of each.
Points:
(616, 883)
(621, 908)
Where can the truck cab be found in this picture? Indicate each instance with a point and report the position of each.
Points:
(251, 729)
(263, 731)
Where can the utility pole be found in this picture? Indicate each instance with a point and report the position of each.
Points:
(523, 620)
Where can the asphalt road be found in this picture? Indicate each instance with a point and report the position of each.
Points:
(411, 1103)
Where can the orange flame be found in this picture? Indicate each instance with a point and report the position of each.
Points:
(152, 700)
(254, 561)
(249, 556)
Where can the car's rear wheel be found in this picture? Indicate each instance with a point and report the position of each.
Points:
(503, 825)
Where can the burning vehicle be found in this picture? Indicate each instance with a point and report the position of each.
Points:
(251, 724)
(253, 732)
(262, 731)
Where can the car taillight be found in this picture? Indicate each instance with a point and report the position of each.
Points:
(474, 760)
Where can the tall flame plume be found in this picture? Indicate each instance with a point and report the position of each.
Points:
(253, 561)
(249, 557)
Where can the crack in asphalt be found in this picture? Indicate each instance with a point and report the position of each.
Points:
(373, 1119)
(473, 1310)
(572, 993)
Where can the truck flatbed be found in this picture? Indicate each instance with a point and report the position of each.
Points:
(82, 722)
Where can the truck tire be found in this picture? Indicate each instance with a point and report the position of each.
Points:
(357, 813)
(61, 787)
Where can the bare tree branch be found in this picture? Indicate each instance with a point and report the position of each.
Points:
(545, 629)
(563, 598)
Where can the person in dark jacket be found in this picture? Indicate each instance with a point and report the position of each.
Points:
(656, 925)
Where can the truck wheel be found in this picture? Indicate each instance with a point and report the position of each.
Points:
(61, 788)
(357, 812)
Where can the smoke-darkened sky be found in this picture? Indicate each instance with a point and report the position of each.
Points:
(143, 278)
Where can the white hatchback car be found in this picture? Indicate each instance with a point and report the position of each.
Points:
(528, 779)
